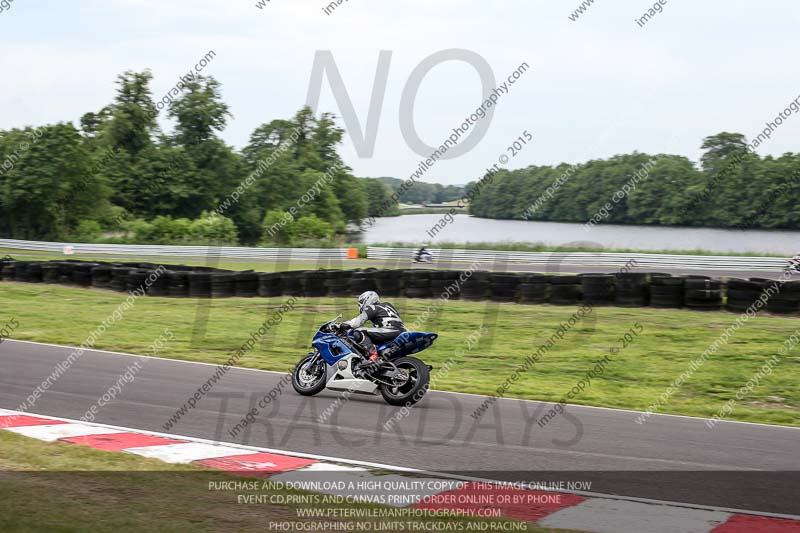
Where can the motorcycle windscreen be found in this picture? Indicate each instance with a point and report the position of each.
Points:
(407, 343)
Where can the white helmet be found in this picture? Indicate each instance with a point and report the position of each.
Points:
(367, 298)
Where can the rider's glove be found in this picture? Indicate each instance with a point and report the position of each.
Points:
(340, 328)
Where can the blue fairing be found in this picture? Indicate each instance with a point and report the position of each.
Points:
(407, 343)
(332, 348)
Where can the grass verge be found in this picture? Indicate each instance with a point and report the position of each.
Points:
(636, 376)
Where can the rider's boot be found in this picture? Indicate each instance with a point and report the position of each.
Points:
(372, 361)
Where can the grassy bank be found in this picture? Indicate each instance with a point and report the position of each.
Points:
(634, 379)
(59, 487)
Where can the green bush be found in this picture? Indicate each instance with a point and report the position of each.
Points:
(311, 227)
(282, 228)
(214, 227)
(138, 230)
(277, 227)
(87, 231)
(166, 230)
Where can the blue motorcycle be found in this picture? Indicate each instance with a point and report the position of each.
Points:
(335, 364)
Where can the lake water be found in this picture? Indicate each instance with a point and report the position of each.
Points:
(412, 229)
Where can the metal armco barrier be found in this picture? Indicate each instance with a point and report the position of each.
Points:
(605, 259)
(142, 250)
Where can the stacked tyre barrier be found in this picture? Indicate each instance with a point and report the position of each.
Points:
(15, 272)
(245, 284)
(702, 293)
(698, 293)
(666, 291)
(632, 289)
(476, 288)
(82, 273)
(741, 294)
(387, 282)
(222, 284)
(293, 282)
(787, 302)
(362, 281)
(7, 271)
(598, 289)
(199, 284)
(418, 283)
(119, 278)
(565, 290)
(534, 289)
(27, 272)
(503, 286)
(101, 276)
(137, 281)
(178, 286)
(51, 272)
(269, 284)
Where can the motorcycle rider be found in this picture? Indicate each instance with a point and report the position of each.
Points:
(386, 319)
(422, 255)
(794, 263)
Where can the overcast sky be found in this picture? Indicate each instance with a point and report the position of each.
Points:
(598, 86)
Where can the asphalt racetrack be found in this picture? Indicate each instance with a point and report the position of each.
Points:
(735, 465)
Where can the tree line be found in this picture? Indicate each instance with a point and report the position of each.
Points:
(426, 193)
(731, 187)
(117, 177)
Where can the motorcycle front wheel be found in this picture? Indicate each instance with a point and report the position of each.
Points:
(308, 376)
(412, 390)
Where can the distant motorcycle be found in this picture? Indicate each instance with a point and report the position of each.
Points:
(335, 360)
(423, 256)
(793, 265)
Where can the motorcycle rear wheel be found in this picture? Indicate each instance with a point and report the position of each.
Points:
(416, 386)
(311, 381)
